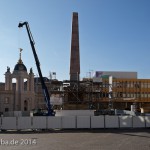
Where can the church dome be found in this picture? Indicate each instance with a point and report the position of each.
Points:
(20, 67)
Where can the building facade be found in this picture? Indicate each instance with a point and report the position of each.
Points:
(18, 95)
(22, 91)
(26, 93)
(126, 90)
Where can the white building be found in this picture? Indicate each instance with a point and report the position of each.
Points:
(99, 75)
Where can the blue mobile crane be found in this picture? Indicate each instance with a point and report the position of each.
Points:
(44, 88)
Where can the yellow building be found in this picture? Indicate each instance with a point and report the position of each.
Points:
(126, 90)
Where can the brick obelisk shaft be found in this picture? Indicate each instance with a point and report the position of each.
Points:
(75, 54)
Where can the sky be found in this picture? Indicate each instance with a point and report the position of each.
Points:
(114, 35)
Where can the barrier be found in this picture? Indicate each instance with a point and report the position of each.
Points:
(74, 113)
(9, 123)
(39, 122)
(0, 123)
(147, 121)
(54, 122)
(83, 122)
(8, 114)
(97, 122)
(111, 122)
(125, 121)
(74, 122)
(17, 113)
(138, 121)
(24, 123)
(68, 122)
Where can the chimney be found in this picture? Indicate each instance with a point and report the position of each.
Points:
(75, 54)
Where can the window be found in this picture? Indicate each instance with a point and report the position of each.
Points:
(25, 105)
(25, 108)
(137, 85)
(6, 109)
(25, 84)
(120, 95)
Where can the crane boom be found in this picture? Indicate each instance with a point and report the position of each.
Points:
(44, 88)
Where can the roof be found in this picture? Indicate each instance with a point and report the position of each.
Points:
(20, 67)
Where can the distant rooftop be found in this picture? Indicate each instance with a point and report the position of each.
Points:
(115, 74)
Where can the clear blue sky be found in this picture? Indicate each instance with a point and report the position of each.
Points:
(114, 35)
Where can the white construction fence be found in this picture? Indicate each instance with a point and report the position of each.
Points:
(73, 122)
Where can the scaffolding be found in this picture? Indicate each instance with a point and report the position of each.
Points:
(88, 94)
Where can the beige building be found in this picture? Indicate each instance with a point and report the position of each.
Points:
(22, 91)
(18, 95)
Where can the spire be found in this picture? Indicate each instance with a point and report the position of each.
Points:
(20, 60)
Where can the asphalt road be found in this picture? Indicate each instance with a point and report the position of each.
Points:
(103, 139)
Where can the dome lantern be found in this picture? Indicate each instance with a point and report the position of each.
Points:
(20, 66)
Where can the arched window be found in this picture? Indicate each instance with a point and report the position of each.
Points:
(25, 84)
(25, 105)
(14, 84)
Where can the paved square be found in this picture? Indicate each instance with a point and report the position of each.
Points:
(103, 139)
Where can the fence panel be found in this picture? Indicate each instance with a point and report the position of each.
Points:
(111, 122)
(138, 121)
(54, 122)
(125, 121)
(97, 122)
(9, 123)
(39, 122)
(68, 122)
(83, 122)
(147, 120)
(24, 123)
(0, 122)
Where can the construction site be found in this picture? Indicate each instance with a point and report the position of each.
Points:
(102, 91)
(123, 94)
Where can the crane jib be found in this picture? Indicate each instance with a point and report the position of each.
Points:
(45, 97)
(45, 91)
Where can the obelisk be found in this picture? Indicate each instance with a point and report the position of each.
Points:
(75, 53)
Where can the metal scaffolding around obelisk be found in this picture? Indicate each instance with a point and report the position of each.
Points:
(75, 53)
